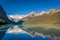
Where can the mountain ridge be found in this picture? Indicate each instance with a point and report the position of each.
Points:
(50, 17)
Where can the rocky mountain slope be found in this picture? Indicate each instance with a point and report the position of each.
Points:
(50, 17)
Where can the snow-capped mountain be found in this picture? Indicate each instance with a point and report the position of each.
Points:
(43, 12)
(50, 17)
(16, 18)
(31, 14)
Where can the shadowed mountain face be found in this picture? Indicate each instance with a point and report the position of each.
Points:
(3, 15)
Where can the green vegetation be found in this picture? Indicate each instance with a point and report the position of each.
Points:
(2, 21)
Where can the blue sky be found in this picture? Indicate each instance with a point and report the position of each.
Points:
(26, 6)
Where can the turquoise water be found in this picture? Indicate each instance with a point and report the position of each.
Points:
(18, 36)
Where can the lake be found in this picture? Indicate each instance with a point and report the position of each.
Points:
(17, 32)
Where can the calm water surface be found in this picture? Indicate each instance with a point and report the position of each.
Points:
(18, 36)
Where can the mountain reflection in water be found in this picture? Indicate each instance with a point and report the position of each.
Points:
(17, 33)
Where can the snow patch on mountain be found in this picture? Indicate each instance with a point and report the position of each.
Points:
(16, 17)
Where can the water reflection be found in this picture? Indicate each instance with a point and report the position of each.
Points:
(16, 33)
(3, 29)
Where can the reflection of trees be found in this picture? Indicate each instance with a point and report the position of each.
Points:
(2, 31)
(4, 28)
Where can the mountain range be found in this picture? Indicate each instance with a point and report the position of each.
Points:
(50, 17)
